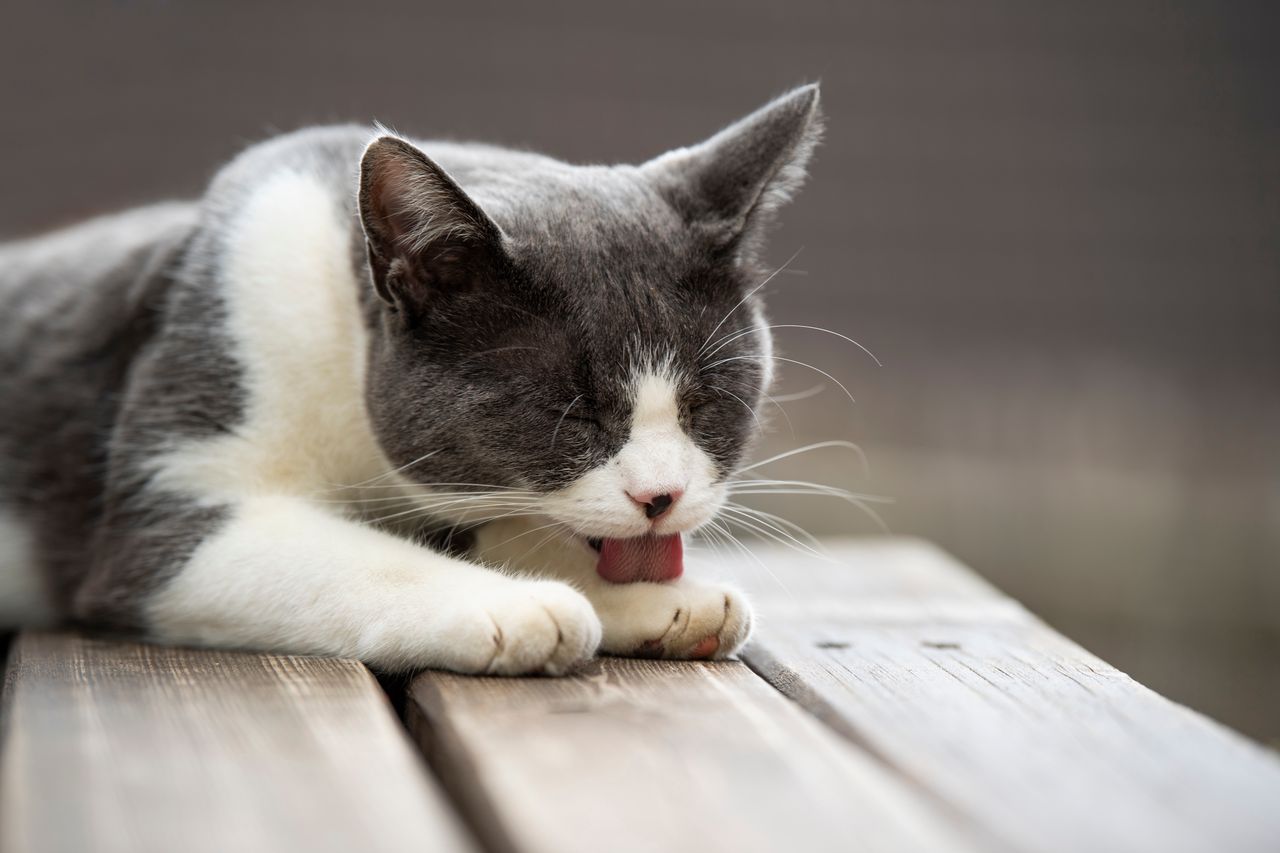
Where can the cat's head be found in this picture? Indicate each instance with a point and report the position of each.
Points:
(587, 341)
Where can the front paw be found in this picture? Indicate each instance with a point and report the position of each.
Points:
(536, 627)
(682, 620)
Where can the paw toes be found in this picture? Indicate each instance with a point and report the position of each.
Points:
(705, 649)
(546, 629)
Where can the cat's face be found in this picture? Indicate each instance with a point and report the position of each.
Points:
(586, 338)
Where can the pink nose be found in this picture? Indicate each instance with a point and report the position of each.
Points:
(656, 504)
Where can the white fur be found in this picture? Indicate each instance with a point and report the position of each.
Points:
(284, 574)
(658, 457)
(23, 600)
(294, 319)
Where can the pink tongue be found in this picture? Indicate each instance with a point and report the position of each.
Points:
(644, 558)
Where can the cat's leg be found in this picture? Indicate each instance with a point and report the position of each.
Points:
(282, 575)
(681, 619)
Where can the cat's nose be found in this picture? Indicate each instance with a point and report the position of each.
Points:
(655, 505)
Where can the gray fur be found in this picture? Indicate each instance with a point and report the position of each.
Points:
(498, 286)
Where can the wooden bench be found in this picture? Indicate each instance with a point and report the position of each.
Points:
(891, 701)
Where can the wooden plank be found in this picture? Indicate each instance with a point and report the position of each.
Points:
(636, 755)
(114, 746)
(998, 717)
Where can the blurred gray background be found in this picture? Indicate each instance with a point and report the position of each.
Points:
(1058, 226)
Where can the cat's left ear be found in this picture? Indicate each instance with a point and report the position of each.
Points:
(425, 235)
(733, 184)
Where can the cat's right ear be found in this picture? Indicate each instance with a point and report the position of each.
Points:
(731, 186)
(425, 236)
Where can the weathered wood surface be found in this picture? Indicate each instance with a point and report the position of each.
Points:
(651, 756)
(122, 747)
(999, 719)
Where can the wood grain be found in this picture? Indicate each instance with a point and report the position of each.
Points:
(658, 756)
(121, 747)
(1001, 720)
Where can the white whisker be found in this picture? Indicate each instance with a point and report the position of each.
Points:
(520, 535)
(802, 395)
(760, 529)
(839, 384)
(728, 339)
(563, 415)
(737, 543)
(777, 522)
(750, 293)
(848, 445)
(754, 416)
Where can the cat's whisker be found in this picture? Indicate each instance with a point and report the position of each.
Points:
(791, 428)
(802, 395)
(563, 415)
(730, 338)
(834, 333)
(422, 510)
(772, 400)
(766, 531)
(393, 471)
(556, 533)
(742, 547)
(743, 300)
(521, 535)
(784, 526)
(448, 496)
(847, 445)
(415, 498)
(838, 383)
(858, 500)
(752, 411)
(761, 485)
(434, 485)
(533, 508)
(820, 493)
(734, 515)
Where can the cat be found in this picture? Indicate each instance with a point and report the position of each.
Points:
(422, 404)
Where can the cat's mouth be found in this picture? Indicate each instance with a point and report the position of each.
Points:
(651, 558)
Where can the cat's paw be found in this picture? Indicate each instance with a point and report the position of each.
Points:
(535, 627)
(681, 620)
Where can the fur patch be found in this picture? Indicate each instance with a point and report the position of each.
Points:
(293, 317)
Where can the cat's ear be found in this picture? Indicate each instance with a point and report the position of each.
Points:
(424, 234)
(733, 184)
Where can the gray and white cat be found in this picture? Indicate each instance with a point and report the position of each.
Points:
(421, 404)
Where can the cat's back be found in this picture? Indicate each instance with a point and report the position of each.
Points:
(77, 304)
(88, 278)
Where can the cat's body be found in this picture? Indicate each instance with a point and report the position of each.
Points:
(300, 417)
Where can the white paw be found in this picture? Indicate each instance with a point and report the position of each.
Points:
(532, 627)
(680, 620)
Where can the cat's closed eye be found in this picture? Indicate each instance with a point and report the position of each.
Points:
(575, 415)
